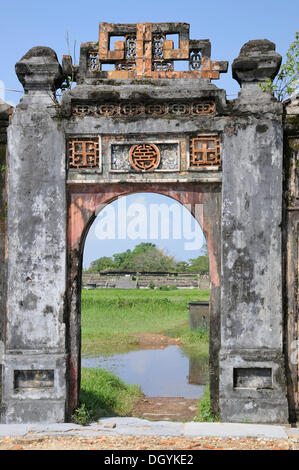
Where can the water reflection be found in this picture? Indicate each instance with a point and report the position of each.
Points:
(198, 371)
(159, 372)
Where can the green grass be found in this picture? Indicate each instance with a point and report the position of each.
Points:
(205, 413)
(110, 316)
(103, 394)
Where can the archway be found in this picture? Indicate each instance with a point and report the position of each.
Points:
(140, 273)
(73, 157)
(84, 205)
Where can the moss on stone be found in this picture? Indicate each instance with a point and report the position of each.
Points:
(293, 120)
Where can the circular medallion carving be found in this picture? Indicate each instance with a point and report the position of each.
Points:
(144, 157)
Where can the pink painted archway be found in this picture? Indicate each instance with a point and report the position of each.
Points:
(84, 204)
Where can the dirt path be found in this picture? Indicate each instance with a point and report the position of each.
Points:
(146, 443)
(166, 409)
(155, 341)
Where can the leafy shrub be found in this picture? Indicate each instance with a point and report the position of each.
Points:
(82, 415)
(205, 413)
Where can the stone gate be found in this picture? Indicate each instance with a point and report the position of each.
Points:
(133, 123)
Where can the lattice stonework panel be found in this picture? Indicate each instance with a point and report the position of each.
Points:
(194, 60)
(147, 50)
(130, 47)
(144, 156)
(204, 151)
(83, 152)
(93, 62)
(129, 109)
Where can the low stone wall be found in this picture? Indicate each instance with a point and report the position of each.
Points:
(181, 281)
(199, 315)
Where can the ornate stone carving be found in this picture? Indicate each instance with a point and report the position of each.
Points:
(128, 66)
(163, 66)
(148, 46)
(83, 152)
(256, 62)
(130, 47)
(158, 46)
(144, 109)
(204, 151)
(194, 60)
(94, 64)
(39, 69)
(120, 161)
(144, 157)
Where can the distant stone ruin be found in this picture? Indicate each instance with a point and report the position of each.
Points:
(92, 280)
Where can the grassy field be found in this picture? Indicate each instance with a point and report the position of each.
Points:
(110, 316)
(103, 394)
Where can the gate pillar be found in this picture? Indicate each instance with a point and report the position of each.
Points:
(34, 358)
(5, 113)
(252, 369)
(291, 252)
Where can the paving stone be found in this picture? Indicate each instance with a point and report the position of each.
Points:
(293, 432)
(234, 430)
(14, 429)
(143, 427)
(55, 427)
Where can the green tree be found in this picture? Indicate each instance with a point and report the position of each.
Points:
(122, 259)
(147, 257)
(286, 82)
(199, 265)
(182, 266)
(143, 247)
(144, 257)
(103, 263)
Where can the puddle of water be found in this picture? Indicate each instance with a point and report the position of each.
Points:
(159, 372)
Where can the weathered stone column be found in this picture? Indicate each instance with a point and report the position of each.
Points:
(34, 385)
(290, 248)
(252, 369)
(5, 113)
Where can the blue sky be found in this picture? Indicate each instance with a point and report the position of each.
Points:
(227, 23)
(141, 218)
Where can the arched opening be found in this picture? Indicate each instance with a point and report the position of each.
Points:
(145, 301)
(84, 209)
